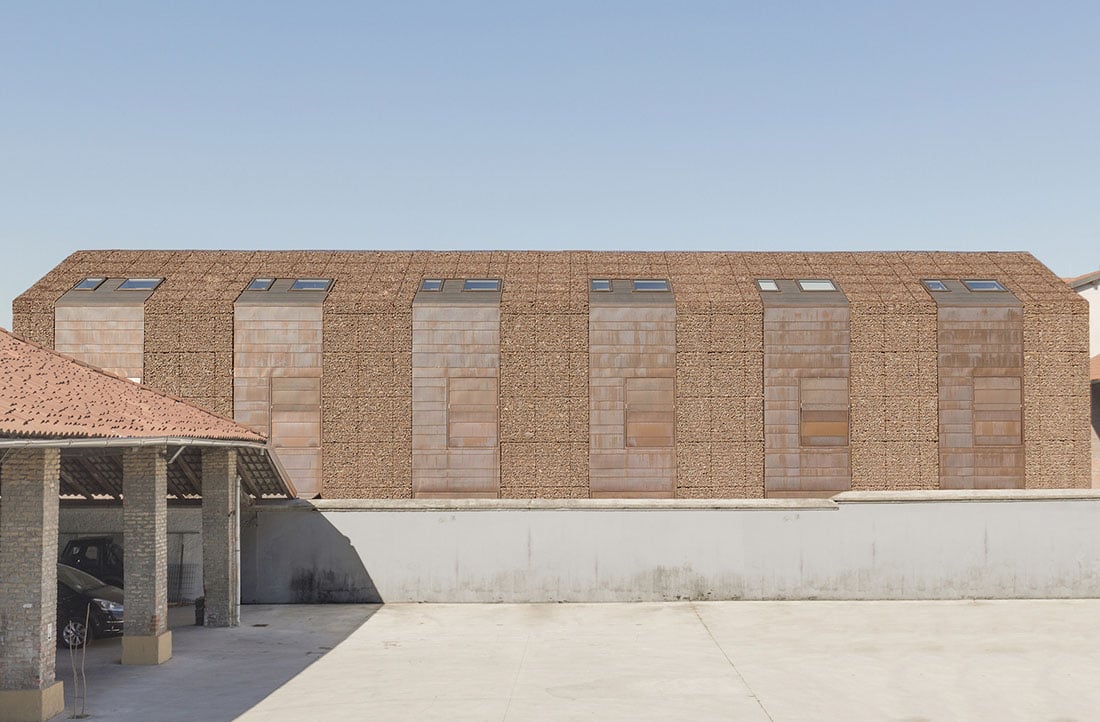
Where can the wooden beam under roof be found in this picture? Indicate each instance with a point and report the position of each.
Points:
(246, 477)
(193, 479)
(99, 477)
(71, 481)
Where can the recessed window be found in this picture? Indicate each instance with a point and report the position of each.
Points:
(766, 284)
(431, 284)
(311, 284)
(260, 284)
(816, 284)
(481, 284)
(982, 285)
(933, 285)
(139, 284)
(89, 284)
(599, 284)
(650, 284)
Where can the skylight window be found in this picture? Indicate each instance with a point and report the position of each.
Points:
(983, 285)
(89, 284)
(934, 285)
(599, 284)
(431, 284)
(767, 284)
(311, 284)
(481, 284)
(816, 284)
(139, 284)
(260, 284)
(650, 284)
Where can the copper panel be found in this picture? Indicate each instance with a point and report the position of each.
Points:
(110, 337)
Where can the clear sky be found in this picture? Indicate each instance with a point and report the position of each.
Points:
(559, 124)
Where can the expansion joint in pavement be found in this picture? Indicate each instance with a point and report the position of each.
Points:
(731, 664)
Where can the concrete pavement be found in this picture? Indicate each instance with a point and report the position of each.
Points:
(975, 660)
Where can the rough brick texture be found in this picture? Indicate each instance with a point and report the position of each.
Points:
(145, 522)
(28, 568)
(220, 510)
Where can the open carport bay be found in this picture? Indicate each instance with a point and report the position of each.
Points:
(932, 660)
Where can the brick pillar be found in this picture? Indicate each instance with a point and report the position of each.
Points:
(220, 510)
(28, 585)
(146, 639)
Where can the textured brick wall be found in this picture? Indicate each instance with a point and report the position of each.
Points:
(220, 511)
(28, 568)
(367, 424)
(145, 518)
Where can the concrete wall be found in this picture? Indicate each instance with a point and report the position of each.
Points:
(860, 545)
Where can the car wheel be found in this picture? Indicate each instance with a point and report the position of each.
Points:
(72, 634)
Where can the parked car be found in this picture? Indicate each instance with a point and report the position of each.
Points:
(96, 555)
(80, 597)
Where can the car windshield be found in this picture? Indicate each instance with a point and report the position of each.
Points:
(77, 580)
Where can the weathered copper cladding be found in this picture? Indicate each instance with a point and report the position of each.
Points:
(455, 391)
(104, 327)
(277, 346)
(632, 391)
(806, 368)
(981, 373)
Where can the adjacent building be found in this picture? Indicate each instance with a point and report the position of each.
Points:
(598, 374)
(1088, 287)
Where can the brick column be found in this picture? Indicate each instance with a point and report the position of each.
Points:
(220, 510)
(28, 585)
(146, 639)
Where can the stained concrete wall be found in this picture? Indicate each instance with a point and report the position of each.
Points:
(859, 545)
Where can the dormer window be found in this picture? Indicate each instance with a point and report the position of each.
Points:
(935, 285)
(650, 285)
(599, 285)
(816, 284)
(481, 284)
(89, 284)
(981, 285)
(431, 284)
(139, 284)
(767, 284)
(311, 284)
(260, 284)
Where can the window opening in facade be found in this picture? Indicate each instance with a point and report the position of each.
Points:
(600, 284)
(767, 284)
(260, 284)
(481, 284)
(651, 284)
(311, 284)
(139, 284)
(934, 285)
(89, 284)
(431, 284)
(982, 284)
(816, 284)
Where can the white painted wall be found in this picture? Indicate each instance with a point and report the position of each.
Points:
(920, 545)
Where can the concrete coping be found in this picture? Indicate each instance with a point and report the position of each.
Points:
(961, 495)
(542, 504)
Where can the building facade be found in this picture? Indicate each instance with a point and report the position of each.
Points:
(598, 374)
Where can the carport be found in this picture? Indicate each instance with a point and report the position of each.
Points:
(69, 429)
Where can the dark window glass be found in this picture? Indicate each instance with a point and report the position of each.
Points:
(431, 284)
(260, 284)
(140, 284)
(650, 284)
(481, 284)
(89, 284)
(311, 284)
(600, 284)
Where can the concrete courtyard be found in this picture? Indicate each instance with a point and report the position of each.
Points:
(970, 660)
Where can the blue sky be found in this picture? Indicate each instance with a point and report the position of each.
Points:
(610, 125)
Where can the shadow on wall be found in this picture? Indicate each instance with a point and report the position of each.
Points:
(301, 559)
(1096, 435)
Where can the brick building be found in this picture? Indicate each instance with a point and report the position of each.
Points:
(578, 374)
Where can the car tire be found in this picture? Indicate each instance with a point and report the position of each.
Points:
(71, 634)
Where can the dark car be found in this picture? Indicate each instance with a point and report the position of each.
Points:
(96, 555)
(80, 597)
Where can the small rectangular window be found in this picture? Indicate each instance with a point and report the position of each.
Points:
(766, 284)
(983, 285)
(89, 284)
(311, 284)
(139, 284)
(599, 284)
(481, 284)
(816, 284)
(650, 284)
(933, 285)
(260, 284)
(431, 284)
(823, 412)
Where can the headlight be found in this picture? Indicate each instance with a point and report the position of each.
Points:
(108, 606)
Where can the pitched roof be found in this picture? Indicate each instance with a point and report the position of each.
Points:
(1083, 280)
(44, 394)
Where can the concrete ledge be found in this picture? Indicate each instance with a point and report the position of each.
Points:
(455, 505)
(963, 495)
(147, 650)
(32, 705)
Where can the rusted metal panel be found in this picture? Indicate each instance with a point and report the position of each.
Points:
(111, 337)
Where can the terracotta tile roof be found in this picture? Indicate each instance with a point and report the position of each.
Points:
(46, 394)
(1083, 280)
